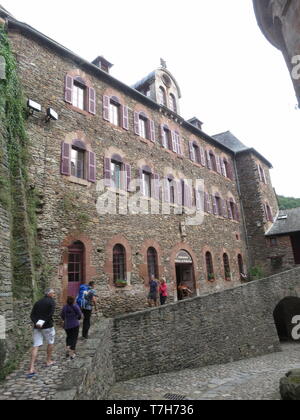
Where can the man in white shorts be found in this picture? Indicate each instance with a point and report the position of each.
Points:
(42, 318)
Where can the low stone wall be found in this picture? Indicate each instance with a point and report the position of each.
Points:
(217, 328)
(91, 376)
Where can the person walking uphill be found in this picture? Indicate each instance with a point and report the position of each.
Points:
(163, 292)
(43, 329)
(71, 315)
(89, 301)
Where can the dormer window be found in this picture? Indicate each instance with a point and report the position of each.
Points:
(173, 105)
(162, 99)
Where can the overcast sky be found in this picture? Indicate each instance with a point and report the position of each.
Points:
(231, 78)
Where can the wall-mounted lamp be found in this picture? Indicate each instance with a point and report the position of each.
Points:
(33, 106)
(51, 115)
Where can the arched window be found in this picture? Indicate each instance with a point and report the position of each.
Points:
(162, 99)
(173, 105)
(209, 267)
(119, 264)
(152, 260)
(226, 267)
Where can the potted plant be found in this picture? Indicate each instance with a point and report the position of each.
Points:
(211, 277)
(120, 283)
(227, 275)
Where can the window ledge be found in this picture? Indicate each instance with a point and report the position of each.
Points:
(78, 181)
(80, 111)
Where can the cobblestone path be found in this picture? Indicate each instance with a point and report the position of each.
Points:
(252, 379)
(45, 384)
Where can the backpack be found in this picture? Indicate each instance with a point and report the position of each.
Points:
(83, 292)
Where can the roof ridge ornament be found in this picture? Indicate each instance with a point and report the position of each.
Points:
(163, 63)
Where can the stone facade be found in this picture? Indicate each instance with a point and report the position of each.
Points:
(67, 205)
(256, 195)
(279, 21)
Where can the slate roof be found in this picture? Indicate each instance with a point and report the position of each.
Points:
(284, 225)
(231, 142)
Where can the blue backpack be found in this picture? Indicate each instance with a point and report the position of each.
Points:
(83, 291)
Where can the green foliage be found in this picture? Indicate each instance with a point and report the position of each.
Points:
(286, 203)
(15, 191)
(256, 273)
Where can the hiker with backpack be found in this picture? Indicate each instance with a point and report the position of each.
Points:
(86, 300)
(71, 315)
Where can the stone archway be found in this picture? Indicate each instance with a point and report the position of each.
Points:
(185, 275)
(284, 313)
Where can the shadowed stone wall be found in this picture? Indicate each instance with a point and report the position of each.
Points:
(217, 328)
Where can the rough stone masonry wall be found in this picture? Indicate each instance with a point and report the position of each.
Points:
(254, 194)
(219, 328)
(92, 376)
(69, 211)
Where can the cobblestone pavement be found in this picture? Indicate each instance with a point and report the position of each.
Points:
(45, 384)
(252, 379)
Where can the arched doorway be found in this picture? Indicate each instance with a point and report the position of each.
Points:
(185, 277)
(76, 271)
(284, 313)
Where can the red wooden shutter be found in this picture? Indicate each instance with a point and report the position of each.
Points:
(152, 130)
(264, 176)
(230, 170)
(137, 123)
(179, 193)
(209, 164)
(207, 203)
(224, 207)
(91, 167)
(218, 164)
(107, 172)
(128, 177)
(125, 117)
(174, 146)
(178, 144)
(166, 193)
(198, 199)
(155, 186)
(215, 205)
(92, 101)
(202, 156)
(106, 102)
(237, 213)
(223, 168)
(66, 159)
(230, 215)
(192, 151)
(69, 82)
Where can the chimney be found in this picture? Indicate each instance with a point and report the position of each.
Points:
(102, 63)
(197, 123)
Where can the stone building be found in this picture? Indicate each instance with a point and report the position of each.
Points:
(279, 21)
(93, 137)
